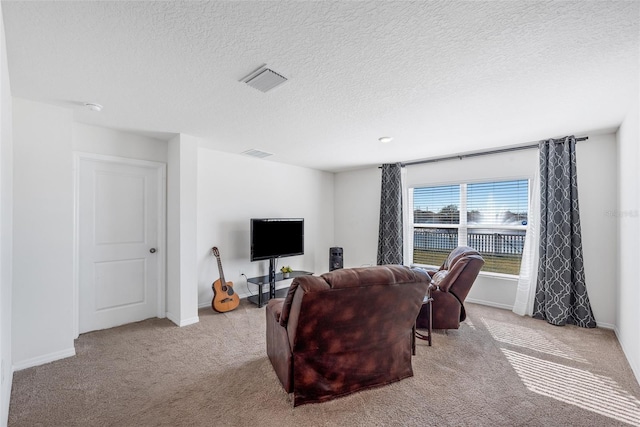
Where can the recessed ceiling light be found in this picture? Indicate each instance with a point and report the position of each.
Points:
(385, 139)
(93, 107)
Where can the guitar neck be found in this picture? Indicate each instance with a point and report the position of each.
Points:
(222, 280)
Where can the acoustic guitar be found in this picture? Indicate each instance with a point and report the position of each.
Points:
(224, 297)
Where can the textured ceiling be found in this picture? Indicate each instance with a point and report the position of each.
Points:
(440, 77)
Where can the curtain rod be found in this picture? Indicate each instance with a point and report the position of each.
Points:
(483, 153)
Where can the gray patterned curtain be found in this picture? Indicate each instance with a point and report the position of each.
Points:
(561, 293)
(390, 231)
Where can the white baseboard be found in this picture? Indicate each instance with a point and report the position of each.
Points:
(190, 321)
(606, 326)
(182, 322)
(508, 307)
(41, 360)
(6, 396)
(489, 303)
(634, 368)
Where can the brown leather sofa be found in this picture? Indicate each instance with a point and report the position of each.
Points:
(449, 287)
(345, 331)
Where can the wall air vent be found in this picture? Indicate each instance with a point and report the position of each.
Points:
(264, 79)
(257, 153)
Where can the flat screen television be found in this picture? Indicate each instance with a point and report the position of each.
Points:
(276, 237)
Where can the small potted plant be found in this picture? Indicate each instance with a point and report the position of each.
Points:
(285, 271)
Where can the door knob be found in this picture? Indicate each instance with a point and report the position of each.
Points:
(152, 250)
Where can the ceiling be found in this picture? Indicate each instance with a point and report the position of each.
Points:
(440, 77)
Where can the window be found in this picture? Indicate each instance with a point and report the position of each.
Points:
(488, 216)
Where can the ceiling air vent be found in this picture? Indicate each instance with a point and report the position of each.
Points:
(257, 153)
(264, 79)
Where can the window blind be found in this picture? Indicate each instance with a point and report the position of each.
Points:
(498, 203)
(436, 205)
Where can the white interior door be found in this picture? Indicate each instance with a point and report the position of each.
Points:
(119, 212)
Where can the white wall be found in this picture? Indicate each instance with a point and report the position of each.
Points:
(358, 191)
(182, 231)
(628, 215)
(42, 326)
(357, 216)
(234, 188)
(597, 189)
(6, 229)
(110, 142)
(45, 138)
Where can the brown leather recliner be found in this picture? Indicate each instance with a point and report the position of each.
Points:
(345, 331)
(449, 287)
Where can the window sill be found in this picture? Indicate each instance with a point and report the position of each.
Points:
(502, 276)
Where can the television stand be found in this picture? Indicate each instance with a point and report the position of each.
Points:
(263, 297)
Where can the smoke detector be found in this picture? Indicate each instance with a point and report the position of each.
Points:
(93, 106)
(264, 79)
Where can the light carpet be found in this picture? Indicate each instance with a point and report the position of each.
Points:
(498, 369)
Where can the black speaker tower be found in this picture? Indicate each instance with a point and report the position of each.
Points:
(335, 258)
